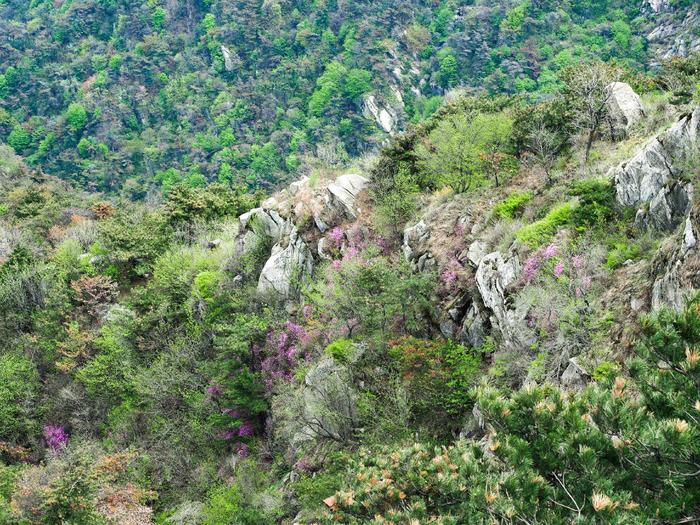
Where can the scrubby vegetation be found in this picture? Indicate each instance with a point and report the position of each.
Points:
(468, 340)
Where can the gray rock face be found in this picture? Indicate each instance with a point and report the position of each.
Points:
(494, 274)
(650, 175)
(669, 206)
(384, 117)
(228, 62)
(265, 222)
(343, 192)
(575, 376)
(290, 262)
(624, 107)
(674, 31)
(474, 327)
(677, 267)
(416, 247)
(329, 399)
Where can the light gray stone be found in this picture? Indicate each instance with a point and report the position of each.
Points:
(290, 263)
(624, 107)
(575, 376)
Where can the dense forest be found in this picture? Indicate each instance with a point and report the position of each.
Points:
(125, 95)
(293, 262)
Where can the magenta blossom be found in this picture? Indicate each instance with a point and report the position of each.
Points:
(350, 253)
(214, 391)
(531, 267)
(56, 437)
(246, 429)
(336, 237)
(558, 269)
(550, 251)
(303, 465)
(307, 311)
(241, 449)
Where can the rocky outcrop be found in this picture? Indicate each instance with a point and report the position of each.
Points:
(228, 61)
(278, 221)
(493, 277)
(416, 247)
(676, 267)
(327, 404)
(668, 208)
(385, 117)
(624, 107)
(290, 264)
(575, 377)
(651, 176)
(342, 194)
(672, 31)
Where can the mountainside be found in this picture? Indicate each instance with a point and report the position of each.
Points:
(119, 95)
(344, 262)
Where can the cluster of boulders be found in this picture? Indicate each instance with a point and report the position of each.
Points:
(652, 180)
(655, 180)
(278, 221)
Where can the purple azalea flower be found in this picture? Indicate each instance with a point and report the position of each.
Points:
(550, 251)
(246, 429)
(558, 269)
(241, 449)
(56, 437)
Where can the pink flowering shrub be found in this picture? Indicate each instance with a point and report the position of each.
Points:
(335, 237)
(558, 284)
(283, 352)
(56, 438)
(451, 273)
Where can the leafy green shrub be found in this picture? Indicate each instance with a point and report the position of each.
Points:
(226, 506)
(19, 395)
(512, 204)
(623, 451)
(131, 243)
(108, 376)
(19, 139)
(185, 204)
(621, 252)
(541, 231)
(606, 372)
(439, 376)
(340, 350)
(76, 117)
(596, 203)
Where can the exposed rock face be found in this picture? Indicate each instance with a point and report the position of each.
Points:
(669, 206)
(290, 262)
(624, 107)
(267, 221)
(493, 276)
(673, 32)
(329, 399)
(575, 376)
(343, 192)
(416, 247)
(677, 267)
(228, 62)
(474, 326)
(384, 117)
(650, 176)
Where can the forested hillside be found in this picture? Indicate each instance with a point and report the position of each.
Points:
(125, 94)
(346, 262)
